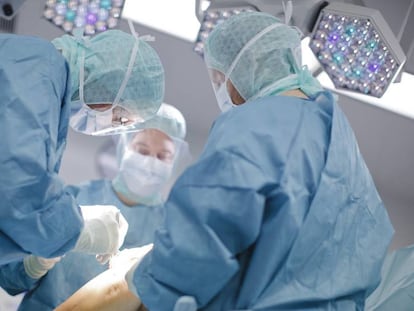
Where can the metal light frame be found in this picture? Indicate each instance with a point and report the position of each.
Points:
(356, 48)
(215, 14)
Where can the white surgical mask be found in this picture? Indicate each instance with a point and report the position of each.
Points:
(143, 176)
(223, 99)
(90, 121)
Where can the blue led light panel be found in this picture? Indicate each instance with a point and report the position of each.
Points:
(356, 48)
(91, 15)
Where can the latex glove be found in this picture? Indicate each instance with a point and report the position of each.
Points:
(104, 231)
(36, 267)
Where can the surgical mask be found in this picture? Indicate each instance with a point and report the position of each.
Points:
(223, 99)
(90, 121)
(142, 178)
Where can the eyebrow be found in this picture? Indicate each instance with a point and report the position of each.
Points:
(167, 151)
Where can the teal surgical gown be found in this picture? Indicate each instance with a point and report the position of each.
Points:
(279, 213)
(76, 269)
(37, 215)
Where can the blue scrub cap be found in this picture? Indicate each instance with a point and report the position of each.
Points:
(104, 61)
(260, 55)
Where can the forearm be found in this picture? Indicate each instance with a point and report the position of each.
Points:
(47, 225)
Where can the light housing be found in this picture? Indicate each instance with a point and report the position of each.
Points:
(91, 15)
(356, 48)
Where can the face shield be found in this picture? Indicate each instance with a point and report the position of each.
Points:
(150, 158)
(116, 81)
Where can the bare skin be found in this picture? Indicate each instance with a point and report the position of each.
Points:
(106, 292)
(99, 294)
(109, 291)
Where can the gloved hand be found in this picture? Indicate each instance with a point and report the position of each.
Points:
(104, 231)
(36, 267)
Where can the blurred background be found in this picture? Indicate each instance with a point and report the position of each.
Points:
(384, 128)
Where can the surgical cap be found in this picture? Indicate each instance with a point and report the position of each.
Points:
(168, 120)
(105, 59)
(260, 55)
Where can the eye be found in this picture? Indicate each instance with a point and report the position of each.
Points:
(143, 151)
(165, 157)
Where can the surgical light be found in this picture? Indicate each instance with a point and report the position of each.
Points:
(212, 17)
(91, 15)
(356, 48)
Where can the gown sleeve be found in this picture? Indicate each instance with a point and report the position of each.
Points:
(214, 212)
(38, 215)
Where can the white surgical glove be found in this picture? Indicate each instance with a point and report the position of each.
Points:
(104, 231)
(36, 267)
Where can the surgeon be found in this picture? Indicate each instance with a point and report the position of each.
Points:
(147, 161)
(280, 211)
(104, 85)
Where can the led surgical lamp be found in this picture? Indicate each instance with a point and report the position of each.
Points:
(353, 44)
(212, 12)
(91, 15)
(356, 48)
